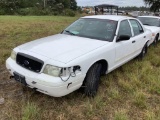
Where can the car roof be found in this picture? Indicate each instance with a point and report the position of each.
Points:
(150, 16)
(110, 17)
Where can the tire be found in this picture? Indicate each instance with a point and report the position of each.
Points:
(92, 80)
(156, 40)
(143, 52)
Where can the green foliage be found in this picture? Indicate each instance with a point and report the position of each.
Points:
(37, 7)
(2, 12)
(139, 99)
(120, 115)
(30, 112)
(154, 4)
(69, 12)
(79, 9)
(23, 11)
(134, 8)
(73, 5)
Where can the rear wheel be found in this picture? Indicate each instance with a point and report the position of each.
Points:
(156, 40)
(91, 82)
(143, 52)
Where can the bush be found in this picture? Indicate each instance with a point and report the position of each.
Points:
(69, 12)
(24, 11)
(2, 12)
(46, 12)
(56, 13)
(35, 11)
(32, 11)
(38, 11)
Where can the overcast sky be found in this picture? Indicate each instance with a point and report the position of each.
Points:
(115, 2)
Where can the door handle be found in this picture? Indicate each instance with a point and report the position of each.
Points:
(133, 41)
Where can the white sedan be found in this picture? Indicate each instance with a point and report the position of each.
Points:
(152, 23)
(76, 58)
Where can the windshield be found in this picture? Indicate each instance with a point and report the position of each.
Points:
(93, 28)
(149, 21)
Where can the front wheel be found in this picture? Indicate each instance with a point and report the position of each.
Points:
(92, 79)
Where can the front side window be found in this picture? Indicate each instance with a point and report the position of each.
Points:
(101, 29)
(137, 28)
(149, 21)
(124, 28)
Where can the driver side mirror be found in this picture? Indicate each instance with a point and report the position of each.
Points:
(123, 38)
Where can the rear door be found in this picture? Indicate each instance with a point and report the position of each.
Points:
(138, 35)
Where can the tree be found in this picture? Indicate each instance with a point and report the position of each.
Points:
(37, 6)
(9, 6)
(154, 4)
(133, 8)
(73, 5)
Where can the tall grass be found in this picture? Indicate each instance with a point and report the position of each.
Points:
(30, 112)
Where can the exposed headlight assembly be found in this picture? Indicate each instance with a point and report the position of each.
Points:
(13, 55)
(52, 70)
(63, 73)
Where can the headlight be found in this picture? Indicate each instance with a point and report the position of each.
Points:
(52, 70)
(13, 55)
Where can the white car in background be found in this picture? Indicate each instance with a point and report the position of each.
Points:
(152, 23)
(76, 58)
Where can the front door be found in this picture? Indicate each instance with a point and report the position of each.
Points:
(124, 49)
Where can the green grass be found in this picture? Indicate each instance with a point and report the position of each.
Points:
(30, 112)
(139, 99)
(131, 92)
(120, 115)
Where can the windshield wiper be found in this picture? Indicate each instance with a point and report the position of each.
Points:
(69, 32)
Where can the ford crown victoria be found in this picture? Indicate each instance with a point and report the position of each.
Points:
(152, 23)
(76, 58)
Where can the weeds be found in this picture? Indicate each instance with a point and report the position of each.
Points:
(139, 99)
(30, 112)
(120, 115)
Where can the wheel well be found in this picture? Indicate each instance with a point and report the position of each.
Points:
(147, 43)
(104, 64)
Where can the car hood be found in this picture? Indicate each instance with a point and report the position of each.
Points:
(154, 29)
(61, 47)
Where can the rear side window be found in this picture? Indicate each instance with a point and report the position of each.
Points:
(149, 21)
(124, 28)
(137, 28)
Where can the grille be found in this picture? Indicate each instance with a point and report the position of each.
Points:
(29, 62)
